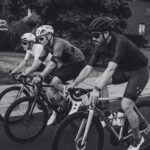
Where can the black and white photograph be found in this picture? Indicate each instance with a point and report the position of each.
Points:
(74, 74)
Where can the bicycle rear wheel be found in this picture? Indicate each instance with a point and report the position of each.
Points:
(144, 108)
(8, 96)
(30, 125)
(65, 136)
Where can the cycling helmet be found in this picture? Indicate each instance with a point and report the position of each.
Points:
(28, 37)
(102, 24)
(44, 29)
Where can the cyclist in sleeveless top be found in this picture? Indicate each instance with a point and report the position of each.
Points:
(33, 49)
(71, 57)
(127, 64)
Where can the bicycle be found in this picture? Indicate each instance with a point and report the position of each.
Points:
(13, 93)
(34, 116)
(89, 131)
(17, 91)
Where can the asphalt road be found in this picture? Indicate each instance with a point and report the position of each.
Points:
(43, 142)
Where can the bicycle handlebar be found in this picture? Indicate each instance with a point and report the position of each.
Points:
(26, 80)
(77, 92)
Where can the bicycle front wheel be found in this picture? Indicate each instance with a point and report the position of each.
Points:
(32, 123)
(67, 135)
(9, 95)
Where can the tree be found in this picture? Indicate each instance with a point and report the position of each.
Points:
(70, 18)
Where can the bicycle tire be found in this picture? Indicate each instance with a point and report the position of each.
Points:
(5, 95)
(27, 123)
(144, 108)
(70, 120)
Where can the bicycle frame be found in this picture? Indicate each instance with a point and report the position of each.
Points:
(40, 95)
(119, 136)
(23, 87)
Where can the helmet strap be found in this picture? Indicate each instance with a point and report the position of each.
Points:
(105, 39)
(30, 45)
(50, 40)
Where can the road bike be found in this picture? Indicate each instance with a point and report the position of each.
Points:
(89, 131)
(34, 112)
(10, 94)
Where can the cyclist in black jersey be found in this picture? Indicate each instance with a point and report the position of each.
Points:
(63, 52)
(127, 64)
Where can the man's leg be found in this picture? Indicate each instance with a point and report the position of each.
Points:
(127, 106)
(52, 93)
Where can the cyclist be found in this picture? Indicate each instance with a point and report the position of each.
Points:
(127, 64)
(33, 49)
(72, 58)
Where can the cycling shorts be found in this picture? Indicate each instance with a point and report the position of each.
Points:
(136, 81)
(40, 68)
(69, 71)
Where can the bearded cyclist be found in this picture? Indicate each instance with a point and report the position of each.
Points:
(127, 64)
(71, 57)
(33, 49)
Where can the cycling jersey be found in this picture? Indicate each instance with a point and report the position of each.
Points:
(64, 51)
(132, 64)
(121, 51)
(36, 52)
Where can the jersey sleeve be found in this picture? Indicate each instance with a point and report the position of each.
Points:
(95, 56)
(27, 55)
(119, 52)
(43, 54)
(58, 50)
(37, 50)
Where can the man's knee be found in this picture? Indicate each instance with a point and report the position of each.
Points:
(56, 81)
(127, 105)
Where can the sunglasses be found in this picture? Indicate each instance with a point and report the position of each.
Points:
(40, 39)
(96, 34)
(24, 43)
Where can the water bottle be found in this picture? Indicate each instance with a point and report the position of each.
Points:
(119, 119)
(109, 116)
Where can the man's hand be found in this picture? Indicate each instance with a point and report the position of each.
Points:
(94, 95)
(66, 90)
(12, 73)
(19, 76)
(37, 79)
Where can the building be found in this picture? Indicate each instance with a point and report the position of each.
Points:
(141, 17)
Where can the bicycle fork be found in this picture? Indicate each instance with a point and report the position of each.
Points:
(19, 93)
(85, 125)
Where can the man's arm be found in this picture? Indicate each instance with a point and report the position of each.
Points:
(104, 78)
(39, 56)
(22, 63)
(88, 68)
(83, 75)
(57, 53)
(48, 69)
(35, 65)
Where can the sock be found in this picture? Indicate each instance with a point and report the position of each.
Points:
(136, 133)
